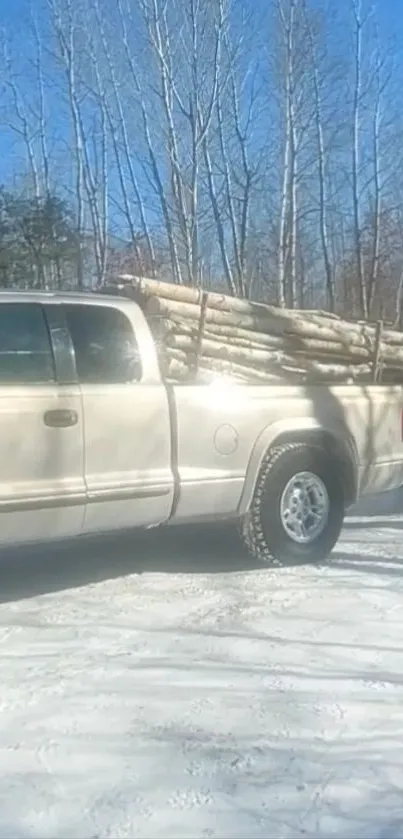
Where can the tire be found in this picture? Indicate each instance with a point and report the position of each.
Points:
(263, 528)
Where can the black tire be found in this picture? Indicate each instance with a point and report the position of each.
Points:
(262, 530)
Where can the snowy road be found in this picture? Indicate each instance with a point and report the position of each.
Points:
(187, 695)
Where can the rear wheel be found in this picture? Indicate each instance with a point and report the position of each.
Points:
(298, 505)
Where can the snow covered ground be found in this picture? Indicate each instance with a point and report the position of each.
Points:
(160, 687)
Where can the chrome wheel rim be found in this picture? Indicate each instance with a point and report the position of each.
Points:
(304, 507)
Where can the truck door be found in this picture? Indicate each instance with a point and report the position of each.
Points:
(127, 434)
(42, 491)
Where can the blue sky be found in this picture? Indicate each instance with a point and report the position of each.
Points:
(14, 16)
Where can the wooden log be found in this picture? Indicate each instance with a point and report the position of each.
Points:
(223, 302)
(253, 357)
(217, 331)
(327, 369)
(176, 370)
(316, 312)
(215, 349)
(275, 364)
(189, 294)
(260, 340)
(291, 373)
(293, 344)
(249, 373)
(227, 304)
(175, 310)
(227, 366)
(277, 325)
(298, 319)
(248, 337)
(252, 353)
(187, 341)
(356, 333)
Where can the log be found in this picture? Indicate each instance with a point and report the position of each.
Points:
(287, 374)
(316, 312)
(299, 321)
(224, 303)
(252, 356)
(353, 332)
(277, 364)
(277, 325)
(176, 370)
(248, 337)
(187, 340)
(248, 373)
(215, 349)
(260, 340)
(291, 343)
(176, 310)
(318, 349)
(332, 370)
(266, 341)
(176, 357)
(188, 294)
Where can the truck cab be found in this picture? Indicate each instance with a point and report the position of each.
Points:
(80, 451)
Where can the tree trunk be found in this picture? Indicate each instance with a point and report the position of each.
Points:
(275, 322)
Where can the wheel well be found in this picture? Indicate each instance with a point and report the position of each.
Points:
(337, 450)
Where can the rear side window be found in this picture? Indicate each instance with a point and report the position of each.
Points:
(105, 345)
(25, 351)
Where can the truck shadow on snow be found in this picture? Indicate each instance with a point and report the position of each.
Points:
(26, 573)
(33, 571)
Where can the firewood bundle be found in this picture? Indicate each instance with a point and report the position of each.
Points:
(203, 334)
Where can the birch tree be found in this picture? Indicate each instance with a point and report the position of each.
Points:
(187, 68)
(356, 155)
(317, 85)
(152, 139)
(64, 28)
(296, 120)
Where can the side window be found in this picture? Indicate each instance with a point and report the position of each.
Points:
(25, 351)
(104, 343)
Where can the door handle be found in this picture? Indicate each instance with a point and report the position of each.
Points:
(60, 418)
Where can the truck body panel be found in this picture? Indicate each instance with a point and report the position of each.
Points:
(142, 452)
(225, 431)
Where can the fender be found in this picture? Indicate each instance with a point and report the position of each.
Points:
(292, 430)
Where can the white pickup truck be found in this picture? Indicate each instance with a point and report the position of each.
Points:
(93, 440)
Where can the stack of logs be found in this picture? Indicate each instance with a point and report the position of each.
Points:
(201, 334)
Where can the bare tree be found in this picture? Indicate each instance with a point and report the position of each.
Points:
(65, 35)
(19, 120)
(235, 119)
(381, 81)
(124, 156)
(290, 22)
(188, 78)
(42, 121)
(321, 157)
(156, 170)
(356, 157)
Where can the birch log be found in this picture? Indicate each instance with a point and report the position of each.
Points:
(299, 319)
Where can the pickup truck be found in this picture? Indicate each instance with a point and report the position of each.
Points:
(93, 439)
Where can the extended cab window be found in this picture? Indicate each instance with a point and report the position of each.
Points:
(25, 351)
(104, 343)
